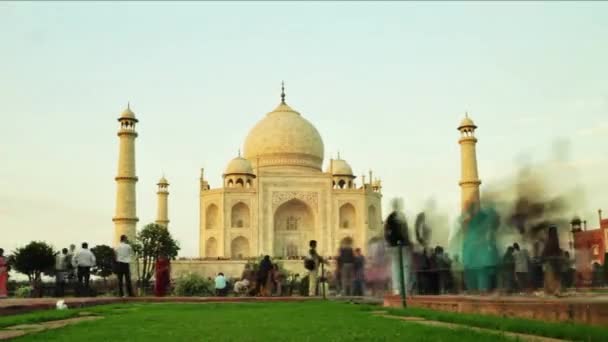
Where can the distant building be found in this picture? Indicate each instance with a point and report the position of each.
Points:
(590, 247)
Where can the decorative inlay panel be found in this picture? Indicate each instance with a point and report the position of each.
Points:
(308, 197)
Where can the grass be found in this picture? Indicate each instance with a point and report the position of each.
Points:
(306, 321)
(569, 331)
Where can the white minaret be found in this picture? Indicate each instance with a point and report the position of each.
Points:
(162, 210)
(469, 178)
(125, 218)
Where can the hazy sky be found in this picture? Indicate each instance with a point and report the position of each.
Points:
(386, 84)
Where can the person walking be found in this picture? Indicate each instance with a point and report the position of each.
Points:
(264, 273)
(124, 256)
(3, 275)
(162, 276)
(359, 283)
(311, 263)
(397, 237)
(346, 266)
(61, 272)
(83, 260)
(71, 272)
(521, 268)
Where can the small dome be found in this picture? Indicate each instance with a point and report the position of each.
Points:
(127, 114)
(162, 181)
(339, 167)
(466, 122)
(239, 165)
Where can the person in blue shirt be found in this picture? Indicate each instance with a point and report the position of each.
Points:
(220, 285)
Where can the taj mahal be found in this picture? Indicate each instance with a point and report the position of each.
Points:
(279, 194)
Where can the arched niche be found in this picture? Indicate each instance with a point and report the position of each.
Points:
(347, 216)
(211, 248)
(240, 216)
(239, 248)
(212, 216)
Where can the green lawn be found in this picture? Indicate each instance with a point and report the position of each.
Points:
(307, 321)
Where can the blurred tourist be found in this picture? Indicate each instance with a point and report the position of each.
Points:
(241, 287)
(397, 237)
(346, 267)
(3, 275)
(264, 272)
(552, 256)
(124, 255)
(83, 260)
(521, 267)
(457, 274)
(162, 276)
(71, 269)
(294, 281)
(508, 270)
(277, 280)
(567, 271)
(359, 283)
(61, 272)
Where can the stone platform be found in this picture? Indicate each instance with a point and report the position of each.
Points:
(577, 309)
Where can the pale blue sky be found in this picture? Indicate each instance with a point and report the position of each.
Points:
(384, 83)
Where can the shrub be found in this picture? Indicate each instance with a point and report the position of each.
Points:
(191, 285)
(23, 292)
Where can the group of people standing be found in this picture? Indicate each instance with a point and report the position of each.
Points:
(72, 265)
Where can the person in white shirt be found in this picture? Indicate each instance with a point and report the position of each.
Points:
(124, 255)
(83, 260)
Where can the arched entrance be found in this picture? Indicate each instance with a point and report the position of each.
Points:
(293, 228)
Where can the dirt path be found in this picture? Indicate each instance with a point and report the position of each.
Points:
(24, 329)
(514, 335)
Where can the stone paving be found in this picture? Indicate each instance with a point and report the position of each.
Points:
(423, 321)
(23, 329)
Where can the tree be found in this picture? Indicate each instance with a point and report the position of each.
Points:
(104, 256)
(35, 258)
(152, 241)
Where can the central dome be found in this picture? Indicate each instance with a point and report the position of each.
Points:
(284, 138)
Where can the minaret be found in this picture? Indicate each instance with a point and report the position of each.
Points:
(162, 211)
(469, 178)
(125, 218)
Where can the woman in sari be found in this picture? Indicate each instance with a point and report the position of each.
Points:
(3, 275)
(162, 275)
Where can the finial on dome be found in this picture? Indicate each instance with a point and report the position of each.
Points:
(239, 153)
(466, 114)
(129, 105)
(338, 154)
(282, 91)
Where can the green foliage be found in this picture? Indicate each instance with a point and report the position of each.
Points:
(35, 258)
(24, 292)
(152, 241)
(191, 285)
(104, 256)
